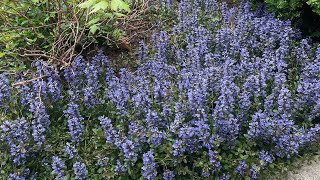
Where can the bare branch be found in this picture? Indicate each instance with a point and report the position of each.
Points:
(28, 81)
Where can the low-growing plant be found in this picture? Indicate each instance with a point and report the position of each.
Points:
(224, 96)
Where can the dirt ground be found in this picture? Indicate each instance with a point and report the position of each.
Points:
(308, 171)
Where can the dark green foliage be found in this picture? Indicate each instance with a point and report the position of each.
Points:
(304, 14)
(285, 8)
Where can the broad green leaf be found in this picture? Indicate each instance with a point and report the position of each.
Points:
(31, 40)
(103, 5)
(312, 1)
(35, 1)
(119, 14)
(119, 4)
(2, 54)
(100, 170)
(94, 28)
(93, 21)
(87, 4)
(53, 14)
(40, 35)
(108, 15)
(24, 22)
(46, 19)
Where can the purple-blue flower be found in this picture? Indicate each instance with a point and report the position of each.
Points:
(75, 122)
(58, 167)
(80, 170)
(149, 166)
(17, 136)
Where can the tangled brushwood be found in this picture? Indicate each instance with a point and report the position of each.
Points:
(224, 95)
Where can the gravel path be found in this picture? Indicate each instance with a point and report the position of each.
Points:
(308, 171)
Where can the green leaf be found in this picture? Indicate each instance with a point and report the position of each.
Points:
(100, 170)
(2, 54)
(32, 40)
(312, 1)
(52, 14)
(108, 15)
(94, 28)
(119, 4)
(119, 14)
(93, 21)
(40, 35)
(87, 4)
(103, 5)
(24, 22)
(272, 166)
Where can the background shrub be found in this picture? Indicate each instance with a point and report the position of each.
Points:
(56, 30)
(305, 14)
(224, 95)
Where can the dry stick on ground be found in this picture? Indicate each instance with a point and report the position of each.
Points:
(28, 81)
(39, 55)
(64, 40)
(77, 37)
(66, 58)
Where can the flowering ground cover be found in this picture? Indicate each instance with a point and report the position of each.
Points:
(223, 95)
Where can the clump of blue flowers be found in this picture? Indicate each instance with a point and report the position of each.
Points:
(58, 167)
(149, 167)
(223, 95)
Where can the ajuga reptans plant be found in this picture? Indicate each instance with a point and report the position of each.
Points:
(223, 95)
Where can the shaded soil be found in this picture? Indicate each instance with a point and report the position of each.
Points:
(123, 52)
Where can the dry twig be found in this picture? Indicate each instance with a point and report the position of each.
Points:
(28, 81)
